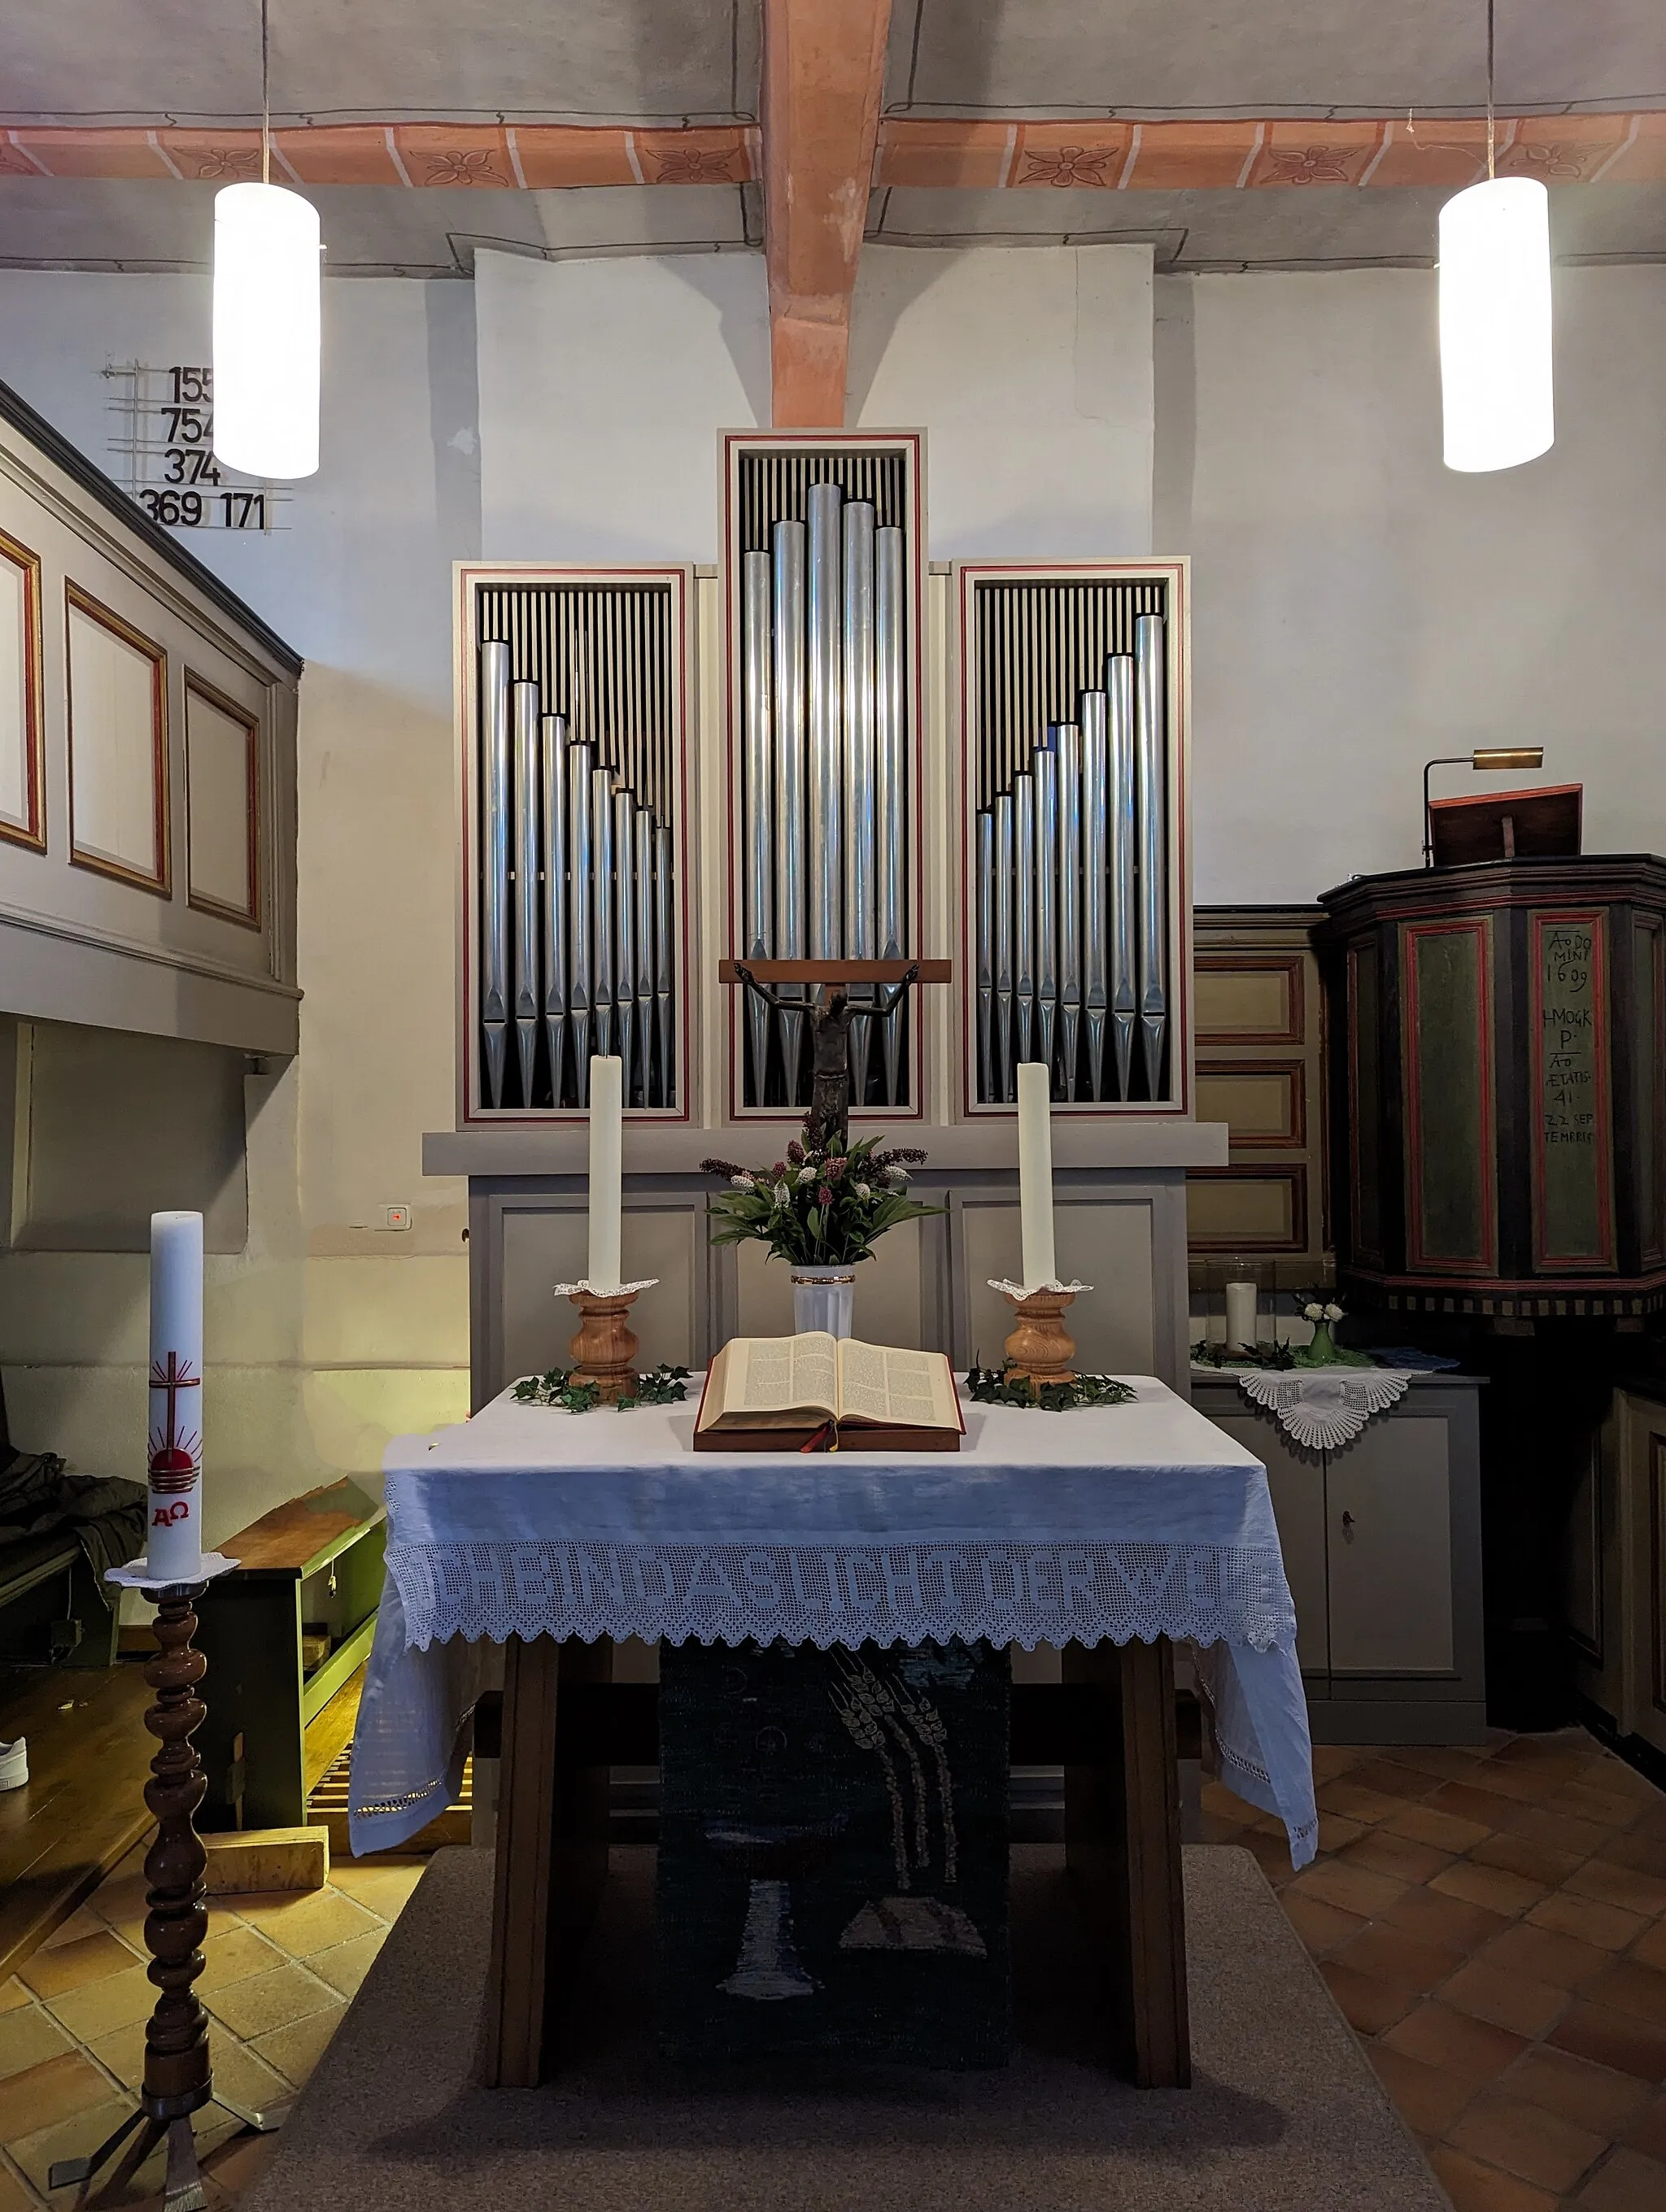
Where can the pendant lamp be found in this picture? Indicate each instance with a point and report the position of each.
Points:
(267, 286)
(1496, 382)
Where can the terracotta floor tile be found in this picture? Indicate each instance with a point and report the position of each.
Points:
(1457, 2041)
(384, 1885)
(42, 2095)
(1345, 1797)
(1444, 1919)
(1606, 1925)
(1561, 1831)
(98, 2008)
(27, 2036)
(1370, 2003)
(1653, 1822)
(1625, 2183)
(233, 1955)
(346, 1966)
(1589, 1800)
(1613, 2039)
(1562, 1960)
(1511, 2000)
(1495, 1887)
(1271, 1853)
(1627, 1886)
(1443, 1762)
(1647, 2133)
(1356, 1889)
(1215, 1797)
(90, 1959)
(1535, 1862)
(69, 2138)
(1570, 1746)
(1630, 1986)
(1535, 2145)
(1390, 1779)
(1331, 1760)
(1473, 2187)
(251, 2008)
(1473, 1801)
(236, 2167)
(12, 1994)
(1629, 1849)
(79, 1923)
(1383, 1948)
(1397, 1857)
(1321, 1926)
(1335, 1832)
(295, 2050)
(312, 1920)
(1529, 1784)
(1426, 1824)
(1593, 2097)
(1428, 2098)
(1650, 1946)
(14, 2197)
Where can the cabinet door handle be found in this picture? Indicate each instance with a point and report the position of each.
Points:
(1347, 1525)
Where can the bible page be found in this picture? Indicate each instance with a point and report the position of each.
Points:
(879, 1383)
(783, 1374)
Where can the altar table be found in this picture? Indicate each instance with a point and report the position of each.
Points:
(1108, 1532)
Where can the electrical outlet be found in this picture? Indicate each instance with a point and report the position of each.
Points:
(396, 1217)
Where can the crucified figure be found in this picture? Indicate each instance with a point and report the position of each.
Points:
(831, 1013)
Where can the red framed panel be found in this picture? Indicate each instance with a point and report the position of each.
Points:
(248, 917)
(1568, 1051)
(1421, 1233)
(78, 601)
(1288, 964)
(29, 829)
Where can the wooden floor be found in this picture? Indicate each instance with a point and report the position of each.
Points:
(83, 1805)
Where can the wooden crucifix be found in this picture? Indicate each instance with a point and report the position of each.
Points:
(831, 1013)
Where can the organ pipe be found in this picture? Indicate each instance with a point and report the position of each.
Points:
(524, 710)
(495, 861)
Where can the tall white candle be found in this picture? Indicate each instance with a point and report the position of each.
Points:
(1036, 1174)
(1241, 1329)
(173, 1547)
(606, 1172)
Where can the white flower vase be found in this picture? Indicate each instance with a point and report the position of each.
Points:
(822, 1298)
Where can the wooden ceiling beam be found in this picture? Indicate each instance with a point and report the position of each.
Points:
(823, 76)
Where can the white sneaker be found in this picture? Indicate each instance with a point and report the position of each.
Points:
(14, 1763)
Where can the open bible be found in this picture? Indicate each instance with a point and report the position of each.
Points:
(795, 1393)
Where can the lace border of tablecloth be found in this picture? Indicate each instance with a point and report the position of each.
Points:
(1022, 1593)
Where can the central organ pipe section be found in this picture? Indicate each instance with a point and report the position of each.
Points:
(579, 742)
(824, 728)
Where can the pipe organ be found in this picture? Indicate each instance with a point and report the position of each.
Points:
(1072, 703)
(573, 802)
(824, 574)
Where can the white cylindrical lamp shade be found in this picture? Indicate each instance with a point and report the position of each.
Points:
(1496, 382)
(267, 283)
(1036, 1174)
(606, 1196)
(173, 1543)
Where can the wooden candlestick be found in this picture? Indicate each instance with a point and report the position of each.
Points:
(1041, 1347)
(604, 1349)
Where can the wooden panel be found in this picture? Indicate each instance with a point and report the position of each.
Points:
(1248, 1209)
(1250, 998)
(1451, 1162)
(1391, 1549)
(1648, 1058)
(22, 809)
(222, 805)
(546, 1245)
(1262, 1102)
(1657, 1572)
(1581, 1557)
(1107, 1244)
(1570, 1105)
(118, 746)
(1365, 1121)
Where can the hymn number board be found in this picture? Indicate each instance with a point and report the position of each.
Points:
(165, 442)
(1570, 1050)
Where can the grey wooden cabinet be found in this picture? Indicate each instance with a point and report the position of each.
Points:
(1382, 1545)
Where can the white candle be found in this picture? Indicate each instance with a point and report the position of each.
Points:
(1240, 1317)
(173, 1547)
(1036, 1174)
(606, 1172)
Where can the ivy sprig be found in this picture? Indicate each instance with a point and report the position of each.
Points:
(661, 1386)
(1213, 1353)
(1000, 1386)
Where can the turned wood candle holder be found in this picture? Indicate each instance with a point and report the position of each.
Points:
(604, 1349)
(1041, 1348)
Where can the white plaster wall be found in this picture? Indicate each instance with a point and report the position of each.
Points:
(326, 1335)
(603, 384)
(1358, 608)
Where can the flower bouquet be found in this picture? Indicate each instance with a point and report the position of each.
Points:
(1322, 1350)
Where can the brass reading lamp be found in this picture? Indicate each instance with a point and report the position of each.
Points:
(1495, 759)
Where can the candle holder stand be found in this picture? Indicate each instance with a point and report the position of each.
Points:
(605, 1348)
(178, 2077)
(1040, 1349)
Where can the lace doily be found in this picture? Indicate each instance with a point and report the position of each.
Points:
(1017, 1290)
(1325, 1408)
(618, 1290)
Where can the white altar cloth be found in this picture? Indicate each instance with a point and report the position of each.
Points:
(1120, 1522)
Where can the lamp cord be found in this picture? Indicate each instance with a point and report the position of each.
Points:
(1491, 41)
(267, 100)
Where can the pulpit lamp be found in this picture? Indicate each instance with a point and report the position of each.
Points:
(1484, 760)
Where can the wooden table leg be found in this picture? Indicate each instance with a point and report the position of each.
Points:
(551, 1859)
(1123, 1847)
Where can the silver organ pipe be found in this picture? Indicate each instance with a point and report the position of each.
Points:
(581, 863)
(1149, 724)
(524, 716)
(557, 982)
(495, 663)
(1044, 766)
(623, 874)
(1124, 996)
(601, 906)
(1024, 910)
(1094, 784)
(891, 772)
(646, 947)
(1005, 1024)
(985, 863)
(823, 698)
(857, 684)
(1070, 903)
(664, 959)
(757, 797)
(788, 548)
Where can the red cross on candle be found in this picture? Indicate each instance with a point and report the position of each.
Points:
(174, 1450)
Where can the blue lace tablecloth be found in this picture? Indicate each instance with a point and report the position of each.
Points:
(1123, 1523)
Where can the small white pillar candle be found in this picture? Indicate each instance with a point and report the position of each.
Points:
(1241, 1329)
(173, 1544)
(606, 1173)
(1036, 1174)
